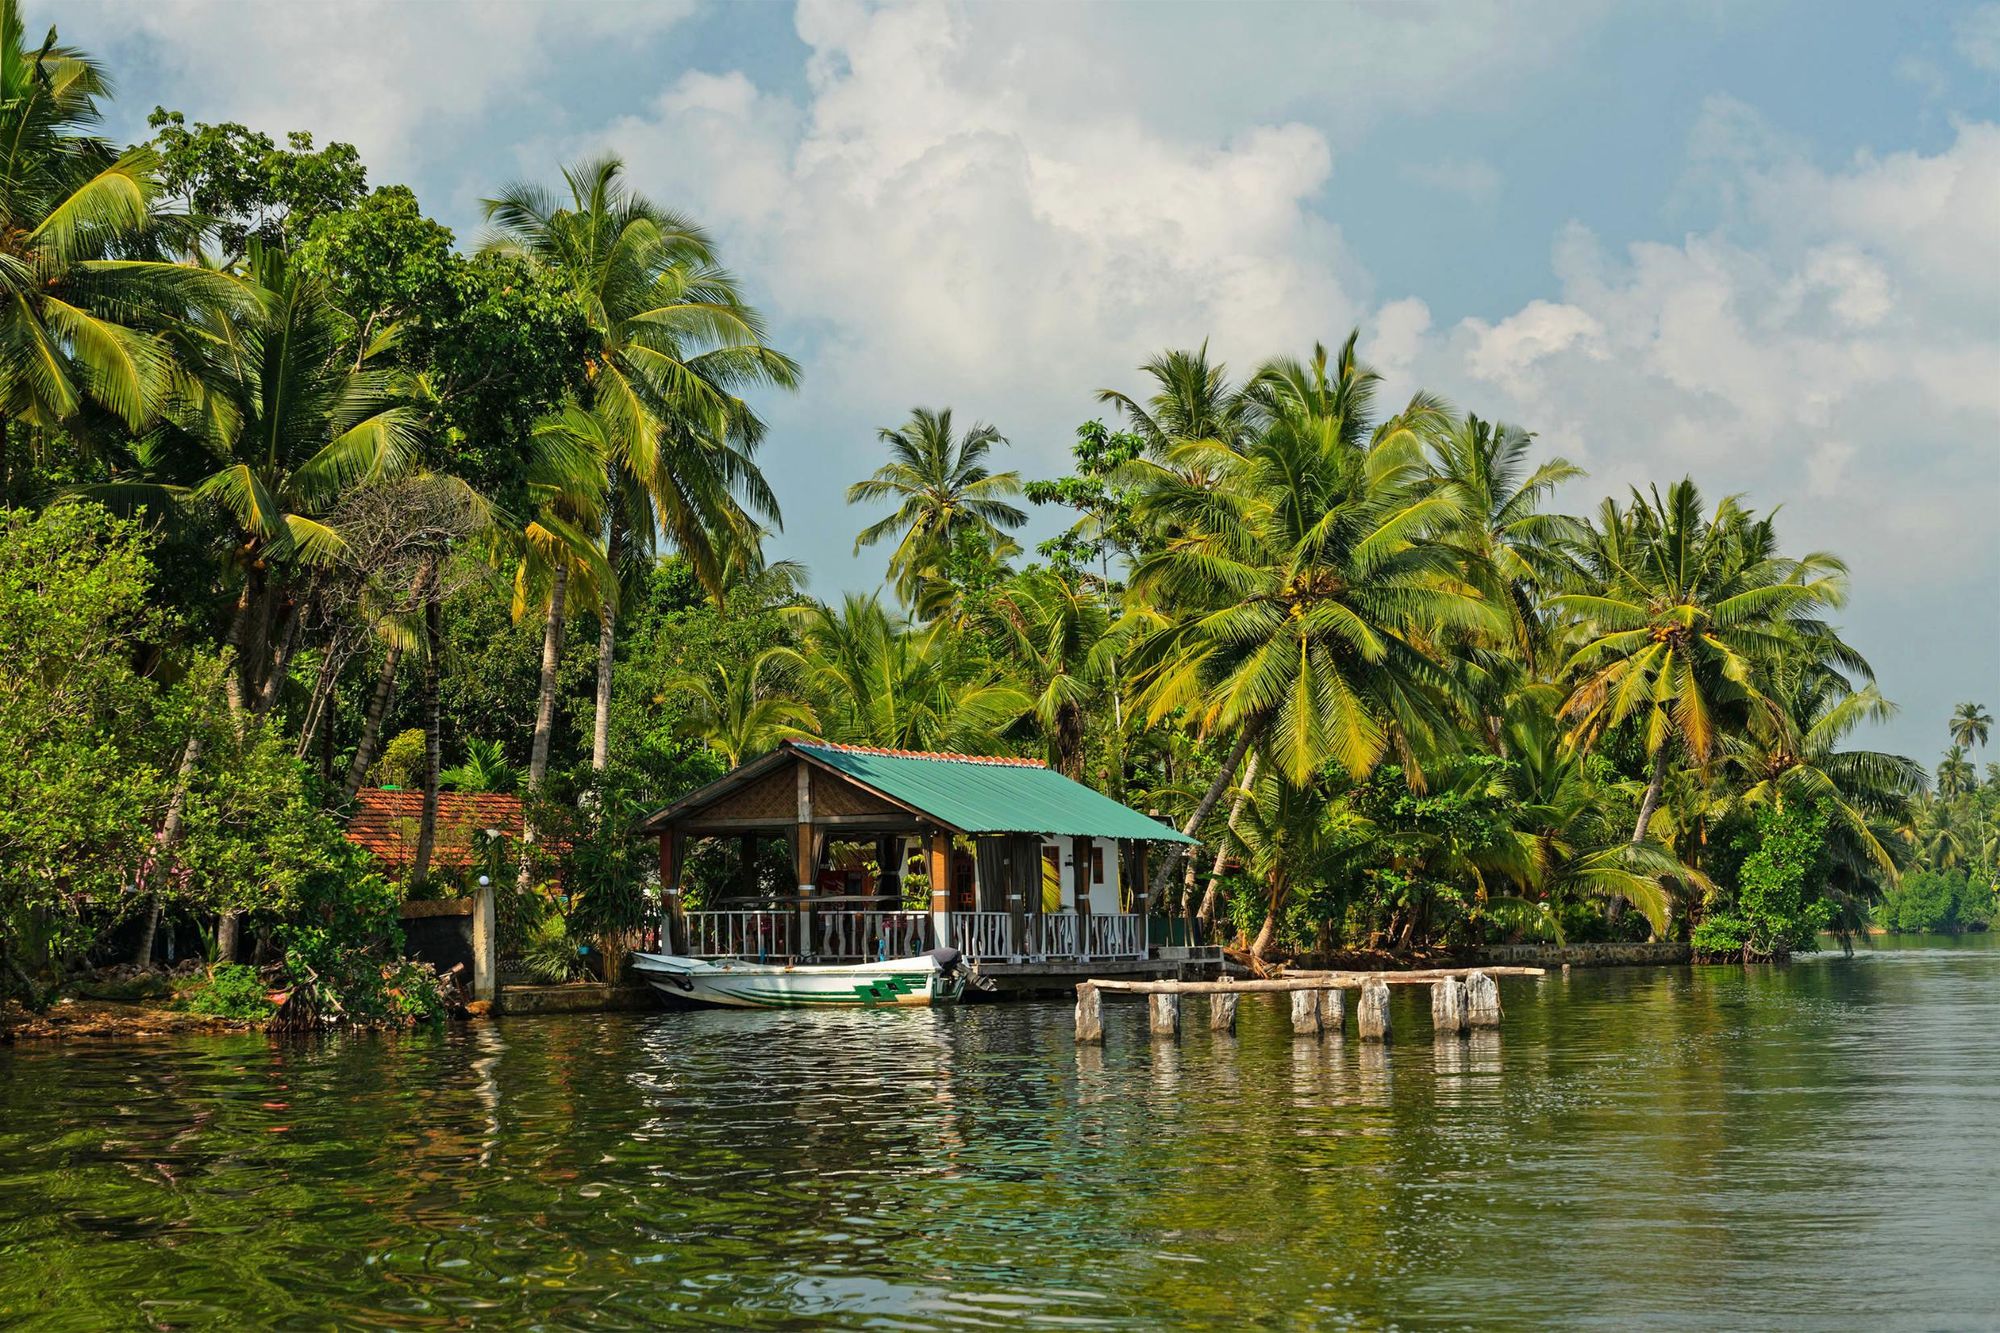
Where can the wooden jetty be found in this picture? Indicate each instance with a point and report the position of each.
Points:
(1461, 998)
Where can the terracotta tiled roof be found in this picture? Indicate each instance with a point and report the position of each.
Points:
(921, 754)
(386, 823)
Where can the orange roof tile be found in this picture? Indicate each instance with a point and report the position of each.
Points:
(387, 822)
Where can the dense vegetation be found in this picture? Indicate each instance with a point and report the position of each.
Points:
(300, 494)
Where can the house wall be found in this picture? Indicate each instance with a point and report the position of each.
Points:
(1104, 893)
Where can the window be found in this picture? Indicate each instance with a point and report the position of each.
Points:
(1096, 864)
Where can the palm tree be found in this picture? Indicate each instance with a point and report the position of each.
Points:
(485, 769)
(1511, 549)
(1971, 724)
(1192, 402)
(743, 713)
(1685, 616)
(275, 425)
(1789, 751)
(943, 492)
(876, 681)
(1955, 774)
(84, 296)
(1289, 598)
(1057, 636)
(673, 347)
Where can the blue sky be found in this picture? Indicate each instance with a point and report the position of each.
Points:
(1755, 242)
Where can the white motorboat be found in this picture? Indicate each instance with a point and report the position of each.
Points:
(925, 979)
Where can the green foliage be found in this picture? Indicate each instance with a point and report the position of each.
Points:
(1947, 902)
(1777, 906)
(548, 950)
(87, 748)
(248, 185)
(585, 853)
(402, 760)
(232, 990)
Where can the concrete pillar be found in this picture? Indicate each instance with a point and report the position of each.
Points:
(1371, 1012)
(1164, 1012)
(1482, 1001)
(1333, 1010)
(1448, 1006)
(1305, 1013)
(1222, 1012)
(1089, 1014)
(485, 943)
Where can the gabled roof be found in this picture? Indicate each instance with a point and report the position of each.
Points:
(969, 793)
(386, 823)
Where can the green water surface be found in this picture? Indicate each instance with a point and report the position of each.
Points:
(1808, 1147)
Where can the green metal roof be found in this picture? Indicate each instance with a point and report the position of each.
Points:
(977, 795)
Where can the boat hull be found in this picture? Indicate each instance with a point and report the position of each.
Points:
(917, 983)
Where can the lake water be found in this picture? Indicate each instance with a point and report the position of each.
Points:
(1816, 1146)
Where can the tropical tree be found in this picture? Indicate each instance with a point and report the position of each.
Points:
(673, 346)
(1288, 603)
(86, 296)
(1971, 724)
(1955, 774)
(750, 710)
(1686, 614)
(874, 680)
(1057, 638)
(943, 492)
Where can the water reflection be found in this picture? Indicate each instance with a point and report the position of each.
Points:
(1670, 1148)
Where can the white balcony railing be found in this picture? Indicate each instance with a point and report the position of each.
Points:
(842, 935)
(1117, 936)
(757, 935)
(983, 936)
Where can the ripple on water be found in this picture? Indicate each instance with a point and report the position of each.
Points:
(1650, 1147)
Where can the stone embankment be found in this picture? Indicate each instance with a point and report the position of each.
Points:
(1665, 953)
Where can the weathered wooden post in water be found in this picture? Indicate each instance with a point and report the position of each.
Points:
(1222, 1012)
(1164, 1014)
(1371, 1012)
(1482, 1000)
(1089, 1014)
(1333, 1010)
(1305, 1013)
(1448, 1006)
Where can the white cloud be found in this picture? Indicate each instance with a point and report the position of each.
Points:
(388, 77)
(1977, 34)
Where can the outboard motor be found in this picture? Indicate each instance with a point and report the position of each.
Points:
(948, 961)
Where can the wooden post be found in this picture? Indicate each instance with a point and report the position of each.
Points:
(1142, 899)
(1333, 1010)
(1079, 850)
(1165, 1013)
(1448, 1006)
(805, 861)
(1371, 1012)
(485, 943)
(1017, 903)
(746, 867)
(1305, 1013)
(673, 916)
(1482, 1000)
(1089, 1014)
(940, 873)
(1222, 1012)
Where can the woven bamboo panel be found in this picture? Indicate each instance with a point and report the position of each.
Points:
(836, 796)
(775, 797)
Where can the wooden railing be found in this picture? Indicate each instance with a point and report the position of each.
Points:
(845, 935)
(759, 934)
(984, 936)
(1053, 934)
(1116, 936)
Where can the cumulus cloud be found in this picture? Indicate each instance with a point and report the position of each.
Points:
(1977, 35)
(1471, 179)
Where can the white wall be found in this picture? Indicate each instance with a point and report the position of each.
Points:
(1104, 896)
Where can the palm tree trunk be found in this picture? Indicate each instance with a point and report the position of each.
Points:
(281, 661)
(1651, 801)
(427, 824)
(607, 630)
(1211, 898)
(545, 706)
(371, 726)
(1267, 934)
(164, 841)
(1205, 806)
(232, 643)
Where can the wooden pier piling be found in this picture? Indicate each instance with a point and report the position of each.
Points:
(1165, 1015)
(1089, 1014)
(1305, 1013)
(1333, 1010)
(1222, 1011)
(1482, 1000)
(1448, 1006)
(1371, 1012)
